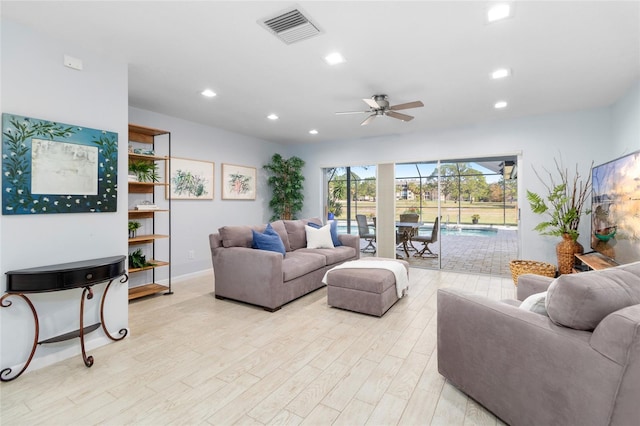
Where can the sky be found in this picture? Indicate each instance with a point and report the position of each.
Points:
(410, 171)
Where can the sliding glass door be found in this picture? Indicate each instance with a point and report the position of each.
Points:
(475, 203)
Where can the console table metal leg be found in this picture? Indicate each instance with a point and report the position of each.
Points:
(6, 303)
(88, 360)
(123, 331)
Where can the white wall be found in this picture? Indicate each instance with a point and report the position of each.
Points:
(193, 220)
(626, 124)
(577, 137)
(36, 84)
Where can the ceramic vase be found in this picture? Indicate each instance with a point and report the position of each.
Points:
(566, 251)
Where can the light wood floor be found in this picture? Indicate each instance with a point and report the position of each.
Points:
(193, 359)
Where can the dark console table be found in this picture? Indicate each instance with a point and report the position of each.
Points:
(64, 276)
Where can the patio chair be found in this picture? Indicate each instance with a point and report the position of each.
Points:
(404, 234)
(365, 233)
(426, 240)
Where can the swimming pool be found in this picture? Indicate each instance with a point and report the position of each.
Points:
(469, 232)
(444, 231)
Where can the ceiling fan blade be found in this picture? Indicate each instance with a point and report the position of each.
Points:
(368, 120)
(414, 104)
(373, 104)
(399, 116)
(352, 112)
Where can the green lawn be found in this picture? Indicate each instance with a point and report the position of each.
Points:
(490, 213)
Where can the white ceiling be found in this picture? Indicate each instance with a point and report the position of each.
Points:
(564, 55)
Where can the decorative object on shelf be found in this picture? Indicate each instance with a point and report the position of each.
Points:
(286, 182)
(50, 167)
(190, 179)
(138, 260)
(238, 182)
(145, 170)
(143, 151)
(566, 197)
(133, 228)
(146, 205)
(475, 218)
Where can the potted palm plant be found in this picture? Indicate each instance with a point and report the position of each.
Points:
(563, 205)
(286, 184)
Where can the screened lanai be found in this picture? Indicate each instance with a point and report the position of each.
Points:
(476, 202)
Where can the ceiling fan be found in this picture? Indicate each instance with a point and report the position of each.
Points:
(379, 105)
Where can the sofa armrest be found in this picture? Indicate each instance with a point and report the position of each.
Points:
(351, 241)
(618, 338)
(520, 365)
(247, 274)
(529, 284)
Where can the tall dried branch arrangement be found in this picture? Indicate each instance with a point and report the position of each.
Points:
(564, 203)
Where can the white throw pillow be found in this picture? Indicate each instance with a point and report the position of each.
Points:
(535, 303)
(319, 238)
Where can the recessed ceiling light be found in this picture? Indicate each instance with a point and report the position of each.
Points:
(208, 93)
(500, 104)
(501, 73)
(272, 117)
(334, 58)
(498, 12)
(313, 131)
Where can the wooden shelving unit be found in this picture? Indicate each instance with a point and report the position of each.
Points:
(146, 137)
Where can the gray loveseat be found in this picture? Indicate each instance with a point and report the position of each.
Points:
(269, 279)
(580, 365)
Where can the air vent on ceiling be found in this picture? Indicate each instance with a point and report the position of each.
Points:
(291, 26)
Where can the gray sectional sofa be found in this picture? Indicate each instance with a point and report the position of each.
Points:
(267, 278)
(576, 363)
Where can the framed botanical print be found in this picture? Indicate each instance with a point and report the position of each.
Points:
(190, 179)
(238, 182)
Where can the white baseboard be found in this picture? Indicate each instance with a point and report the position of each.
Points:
(187, 277)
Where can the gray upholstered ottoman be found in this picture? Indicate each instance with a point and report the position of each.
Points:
(368, 291)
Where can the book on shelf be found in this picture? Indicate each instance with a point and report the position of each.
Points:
(146, 207)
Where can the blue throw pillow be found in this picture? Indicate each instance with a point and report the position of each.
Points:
(269, 240)
(334, 231)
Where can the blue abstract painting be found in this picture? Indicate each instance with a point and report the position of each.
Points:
(50, 167)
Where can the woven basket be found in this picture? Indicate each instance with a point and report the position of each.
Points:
(519, 267)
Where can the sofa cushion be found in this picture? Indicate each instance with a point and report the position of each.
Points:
(278, 226)
(334, 255)
(296, 233)
(318, 238)
(298, 263)
(334, 233)
(238, 236)
(581, 301)
(535, 303)
(269, 240)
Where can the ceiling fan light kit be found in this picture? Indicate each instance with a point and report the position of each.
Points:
(379, 105)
